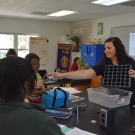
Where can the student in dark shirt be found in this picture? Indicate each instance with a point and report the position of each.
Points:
(17, 79)
(114, 54)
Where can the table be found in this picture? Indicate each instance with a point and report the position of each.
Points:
(124, 119)
(60, 82)
(66, 81)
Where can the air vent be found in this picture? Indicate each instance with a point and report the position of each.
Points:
(39, 13)
(129, 3)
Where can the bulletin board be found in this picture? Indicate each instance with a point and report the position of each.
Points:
(83, 31)
(38, 45)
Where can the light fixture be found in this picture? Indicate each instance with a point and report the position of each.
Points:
(108, 2)
(62, 13)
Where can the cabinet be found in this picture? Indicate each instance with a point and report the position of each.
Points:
(92, 53)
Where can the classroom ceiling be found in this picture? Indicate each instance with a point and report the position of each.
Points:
(38, 9)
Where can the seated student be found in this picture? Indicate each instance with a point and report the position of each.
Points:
(17, 80)
(11, 52)
(74, 65)
(34, 61)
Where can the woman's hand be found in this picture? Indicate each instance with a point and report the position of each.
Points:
(55, 75)
(131, 72)
(133, 129)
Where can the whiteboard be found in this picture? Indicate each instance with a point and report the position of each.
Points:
(124, 33)
(38, 45)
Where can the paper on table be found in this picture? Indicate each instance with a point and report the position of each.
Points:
(61, 126)
(71, 90)
(64, 128)
(77, 131)
(75, 98)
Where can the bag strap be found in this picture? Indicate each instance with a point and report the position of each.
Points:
(45, 93)
(55, 95)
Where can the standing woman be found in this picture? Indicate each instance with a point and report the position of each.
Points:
(74, 65)
(17, 79)
(114, 54)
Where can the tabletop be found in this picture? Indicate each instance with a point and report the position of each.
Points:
(124, 118)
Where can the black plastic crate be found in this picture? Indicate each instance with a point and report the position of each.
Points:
(117, 76)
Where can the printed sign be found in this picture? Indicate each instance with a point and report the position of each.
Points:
(38, 45)
(64, 57)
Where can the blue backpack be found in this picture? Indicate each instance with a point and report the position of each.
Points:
(55, 98)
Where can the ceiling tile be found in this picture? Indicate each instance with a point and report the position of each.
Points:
(86, 10)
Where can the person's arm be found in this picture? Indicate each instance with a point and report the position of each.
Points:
(38, 84)
(39, 92)
(26, 100)
(76, 75)
(132, 73)
(133, 129)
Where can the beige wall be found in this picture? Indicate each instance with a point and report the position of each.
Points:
(48, 29)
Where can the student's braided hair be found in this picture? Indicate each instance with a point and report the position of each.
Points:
(14, 72)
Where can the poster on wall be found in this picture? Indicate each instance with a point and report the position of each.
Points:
(64, 57)
(80, 34)
(38, 45)
(100, 28)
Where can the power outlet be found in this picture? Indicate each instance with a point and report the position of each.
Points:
(107, 119)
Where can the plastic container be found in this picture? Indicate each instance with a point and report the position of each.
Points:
(109, 97)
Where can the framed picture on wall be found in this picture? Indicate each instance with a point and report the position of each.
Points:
(100, 28)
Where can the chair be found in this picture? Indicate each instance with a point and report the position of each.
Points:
(42, 73)
(96, 82)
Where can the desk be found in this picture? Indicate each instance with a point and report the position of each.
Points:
(124, 119)
(66, 81)
(60, 82)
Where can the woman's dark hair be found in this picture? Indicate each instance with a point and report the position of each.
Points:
(120, 50)
(75, 59)
(30, 56)
(11, 52)
(14, 72)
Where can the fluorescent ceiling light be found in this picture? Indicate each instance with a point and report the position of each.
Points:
(108, 2)
(62, 13)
